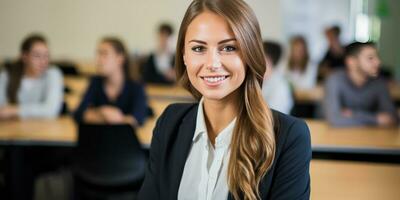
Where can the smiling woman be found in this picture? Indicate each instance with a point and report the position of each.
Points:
(230, 145)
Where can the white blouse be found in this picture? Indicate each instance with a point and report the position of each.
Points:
(37, 97)
(205, 173)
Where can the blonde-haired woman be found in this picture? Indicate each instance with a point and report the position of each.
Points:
(230, 145)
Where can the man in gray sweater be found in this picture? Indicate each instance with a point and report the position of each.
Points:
(357, 96)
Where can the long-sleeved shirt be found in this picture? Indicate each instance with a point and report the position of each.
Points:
(131, 101)
(276, 91)
(365, 102)
(37, 97)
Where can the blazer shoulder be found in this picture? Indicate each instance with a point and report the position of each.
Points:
(289, 129)
(174, 114)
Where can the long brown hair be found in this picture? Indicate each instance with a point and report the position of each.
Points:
(253, 140)
(16, 71)
(302, 64)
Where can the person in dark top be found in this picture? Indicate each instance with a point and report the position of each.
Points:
(357, 96)
(112, 98)
(334, 57)
(229, 144)
(158, 68)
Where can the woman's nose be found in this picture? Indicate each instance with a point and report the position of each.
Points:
(213, 61)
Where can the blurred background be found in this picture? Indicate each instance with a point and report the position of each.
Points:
(57, 156)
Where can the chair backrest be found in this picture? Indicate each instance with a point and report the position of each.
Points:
(109, 155)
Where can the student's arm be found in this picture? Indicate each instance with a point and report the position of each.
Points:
(333, 108)
(51, 105)
(139, 108)
(385, 104)
(84, 112)
(292, 177)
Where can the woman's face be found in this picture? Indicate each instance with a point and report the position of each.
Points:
(37, 59)
(212, 58)
(108, 60)
(299, 50)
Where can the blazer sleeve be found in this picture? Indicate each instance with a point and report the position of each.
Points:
(150, 188)
(292, 177)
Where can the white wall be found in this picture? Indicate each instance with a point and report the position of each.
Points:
(73, 27)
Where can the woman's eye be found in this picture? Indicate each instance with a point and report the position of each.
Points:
(229, 48)
(198, 49)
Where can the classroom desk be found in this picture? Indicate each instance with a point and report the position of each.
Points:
(324, 137)
(344, 180)
(376, 140)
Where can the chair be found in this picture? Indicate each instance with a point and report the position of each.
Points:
(108, 158)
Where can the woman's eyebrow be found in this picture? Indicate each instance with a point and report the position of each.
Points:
(198, 41)
(227, 40)
(221, 42)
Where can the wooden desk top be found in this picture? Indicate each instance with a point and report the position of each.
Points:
(322, 134)
(344, 180)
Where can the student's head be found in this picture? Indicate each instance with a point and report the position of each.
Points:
(299, 57)
(220, 58)
(34, 60)
(362, 58)
(273, 52)
(112, 57)
(35, 54)
(165, 31)
(332, 33)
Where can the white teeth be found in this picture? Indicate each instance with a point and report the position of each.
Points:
(214, 79)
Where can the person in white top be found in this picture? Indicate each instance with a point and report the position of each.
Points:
(30, 88)
(300, 70)
(276, 89)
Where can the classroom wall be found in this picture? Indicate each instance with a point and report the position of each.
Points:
(73, 27)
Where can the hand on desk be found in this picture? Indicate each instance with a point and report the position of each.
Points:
(385, 119)
(111, 114)
(8, 112)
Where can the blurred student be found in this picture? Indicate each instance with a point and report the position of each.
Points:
(276, 89)
(301, 72)
(31, 88)
(112, 98)
(334, 57)
(159, 66)
(356, 96)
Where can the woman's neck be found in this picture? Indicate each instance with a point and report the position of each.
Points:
(218, 114)
(115, 79)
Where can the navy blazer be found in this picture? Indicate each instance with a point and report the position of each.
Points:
(288, 178)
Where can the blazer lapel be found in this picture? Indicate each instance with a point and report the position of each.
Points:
(180, 150)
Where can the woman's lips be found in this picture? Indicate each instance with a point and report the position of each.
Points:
(214, 80)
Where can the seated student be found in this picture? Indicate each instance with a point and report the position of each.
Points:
(159, 66)
(276, 89)
(300, 71)
(356, 96)
(31, 88)
(333, 59)
(111, 97)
